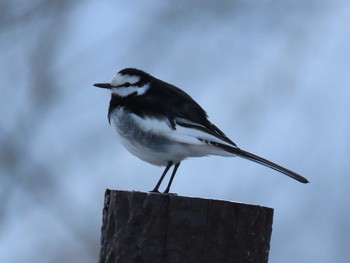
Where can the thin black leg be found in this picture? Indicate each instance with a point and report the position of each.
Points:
(155, 190)
(172, 178)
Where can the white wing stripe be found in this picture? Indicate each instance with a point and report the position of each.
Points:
(183, 134)
(180, 134)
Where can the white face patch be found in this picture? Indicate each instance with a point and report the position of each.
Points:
(119, 79)
(126, 91)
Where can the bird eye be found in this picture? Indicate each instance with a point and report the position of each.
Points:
(127, 84)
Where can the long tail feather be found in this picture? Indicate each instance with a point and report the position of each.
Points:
(252, 157)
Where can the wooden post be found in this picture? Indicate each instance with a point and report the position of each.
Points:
(152, 227)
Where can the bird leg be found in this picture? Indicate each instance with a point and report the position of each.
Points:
(172, 178)
(155, 190)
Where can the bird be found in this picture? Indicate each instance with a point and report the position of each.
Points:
(163, 125)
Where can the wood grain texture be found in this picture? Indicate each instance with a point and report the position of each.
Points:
(151, 227)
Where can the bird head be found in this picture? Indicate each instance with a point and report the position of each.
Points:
(127, 82)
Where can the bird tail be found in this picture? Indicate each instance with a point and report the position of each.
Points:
(252, 157)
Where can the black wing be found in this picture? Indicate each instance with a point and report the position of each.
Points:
(184, 111)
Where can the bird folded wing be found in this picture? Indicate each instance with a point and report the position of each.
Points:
(195, 133)
(185, 131)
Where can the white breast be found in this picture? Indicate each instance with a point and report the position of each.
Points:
(155, 141)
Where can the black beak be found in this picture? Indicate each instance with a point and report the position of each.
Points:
(103, 85)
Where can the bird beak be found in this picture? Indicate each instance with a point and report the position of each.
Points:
(103, 85)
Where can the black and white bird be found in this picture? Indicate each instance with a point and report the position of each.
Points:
(162, 125)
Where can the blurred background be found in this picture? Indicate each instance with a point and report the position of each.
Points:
(273, 75)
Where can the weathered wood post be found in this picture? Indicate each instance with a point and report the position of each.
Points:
(151, 227)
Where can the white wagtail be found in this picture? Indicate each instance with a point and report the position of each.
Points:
(161, 124)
